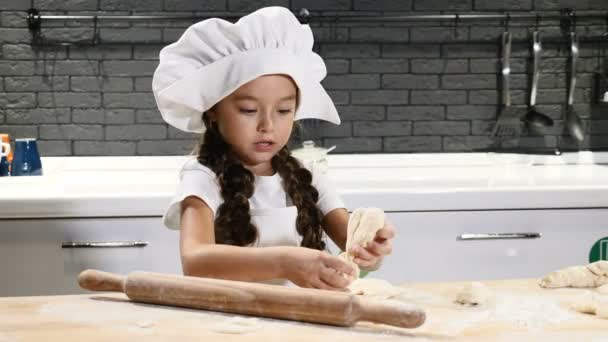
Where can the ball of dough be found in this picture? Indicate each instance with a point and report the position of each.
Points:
(474, 293)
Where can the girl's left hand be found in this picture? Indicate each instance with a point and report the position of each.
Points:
(369, 256)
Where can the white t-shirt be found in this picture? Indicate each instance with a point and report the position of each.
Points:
(200, 181)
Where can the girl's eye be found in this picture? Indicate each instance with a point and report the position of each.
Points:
(247, 111)
(285, 111)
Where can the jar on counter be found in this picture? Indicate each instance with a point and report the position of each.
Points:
(313, 157)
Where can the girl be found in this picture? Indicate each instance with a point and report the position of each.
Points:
(251, 80)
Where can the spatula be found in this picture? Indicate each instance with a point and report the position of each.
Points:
(509, 118)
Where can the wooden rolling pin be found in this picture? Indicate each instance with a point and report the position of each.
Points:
(298, 304)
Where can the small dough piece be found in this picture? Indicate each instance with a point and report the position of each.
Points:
(374, 288)
(584, 303)
(474, 293)
(601, 310)
(363, 224)
(592, 275)
(602, 289)
(601, 306)
(591, 303)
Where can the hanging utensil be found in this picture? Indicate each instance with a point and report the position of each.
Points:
(509, 119)
(534, 118)
(573, 121)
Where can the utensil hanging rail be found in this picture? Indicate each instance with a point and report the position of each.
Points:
(304, 16)
(566, 15)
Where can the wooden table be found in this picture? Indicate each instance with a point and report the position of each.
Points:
(520, 311)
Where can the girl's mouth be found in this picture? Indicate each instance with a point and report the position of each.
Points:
(264, 146)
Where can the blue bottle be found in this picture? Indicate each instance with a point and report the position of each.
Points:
(4, 167)
(26, 159)
(5, 150)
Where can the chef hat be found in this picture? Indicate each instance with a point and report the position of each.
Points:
(214, 57)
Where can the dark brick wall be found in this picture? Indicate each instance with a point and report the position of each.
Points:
(399, 87)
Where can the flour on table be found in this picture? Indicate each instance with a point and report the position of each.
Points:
(145, 324)
(237, 325)
(7, 338)
(592, 275)
(474, 293)
(531, 312)
(374, 288)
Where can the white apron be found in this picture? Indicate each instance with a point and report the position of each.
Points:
(276, 227)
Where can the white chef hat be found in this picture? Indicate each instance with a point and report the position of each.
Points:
(214, 57)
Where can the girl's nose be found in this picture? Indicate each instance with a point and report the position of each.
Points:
(265, 123)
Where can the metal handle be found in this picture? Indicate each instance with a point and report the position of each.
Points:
(536, 49)
(506, 68)
(498, 236)
(116, 244)
(573, 59)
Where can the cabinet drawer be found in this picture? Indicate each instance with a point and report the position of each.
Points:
(427, 245)
(35, 257)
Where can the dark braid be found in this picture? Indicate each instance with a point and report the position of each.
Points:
(233, 222)
(297, 182)
(232, 225)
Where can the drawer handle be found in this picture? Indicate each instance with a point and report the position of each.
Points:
(499, 236)
(104, 244)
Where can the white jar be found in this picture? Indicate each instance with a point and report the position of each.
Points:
(312, 157)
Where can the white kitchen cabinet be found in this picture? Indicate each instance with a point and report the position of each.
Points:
(427, 248)
(33, 262)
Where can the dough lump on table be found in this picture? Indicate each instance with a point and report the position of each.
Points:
(474, 293)
(584, 303)
(591, 303)
(363, 224)
(592, 275)
(602, 289)
(374, 288)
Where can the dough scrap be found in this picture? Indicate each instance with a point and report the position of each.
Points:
(374, 288)
(602, 289)
(584, 303)
(592, 275)
(601, 310)
(591, 303)
(363, 224)
(474, 293)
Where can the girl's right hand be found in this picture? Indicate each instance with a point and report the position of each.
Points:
(308, 267)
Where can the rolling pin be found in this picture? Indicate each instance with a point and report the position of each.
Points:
(256, 299)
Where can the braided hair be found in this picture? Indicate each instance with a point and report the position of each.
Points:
(233, 224)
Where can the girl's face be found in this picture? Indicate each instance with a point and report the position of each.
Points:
(256, 120)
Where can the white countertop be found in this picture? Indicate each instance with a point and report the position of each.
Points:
(142, 186)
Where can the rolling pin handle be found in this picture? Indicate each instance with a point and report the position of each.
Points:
(94, 280)
(390, 312)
